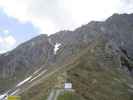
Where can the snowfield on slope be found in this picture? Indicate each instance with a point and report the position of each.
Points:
(24, 81)
(56, 47)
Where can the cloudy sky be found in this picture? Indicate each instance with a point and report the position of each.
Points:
(21, 20)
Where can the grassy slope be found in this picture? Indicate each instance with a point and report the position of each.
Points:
(68, 96)
(96, 75)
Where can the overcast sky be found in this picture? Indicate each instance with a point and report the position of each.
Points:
(33, 17)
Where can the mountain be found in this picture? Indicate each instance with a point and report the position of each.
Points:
(25, 59)
(97, 58)
(96, 74)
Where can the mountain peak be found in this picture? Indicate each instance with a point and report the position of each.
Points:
(109, 55)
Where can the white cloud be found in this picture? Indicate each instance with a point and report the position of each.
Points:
(6, 32)
(53, 15)
(1, 40)
(7, 43)
(9, 40)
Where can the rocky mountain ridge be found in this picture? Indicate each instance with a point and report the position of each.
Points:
(39, 51)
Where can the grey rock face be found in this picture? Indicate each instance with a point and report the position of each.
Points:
(26, 57)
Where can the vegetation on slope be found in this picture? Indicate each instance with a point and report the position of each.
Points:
(99, 75)
(68, 96)
(95, 75)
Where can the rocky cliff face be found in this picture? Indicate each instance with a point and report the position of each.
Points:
(28, 57)
(24, 60)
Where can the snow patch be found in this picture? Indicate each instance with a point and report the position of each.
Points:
(56, 47)
(13, 93)
(37, 70)
(38, 75)
(3, 96)
(6, 54)
(22, 82)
